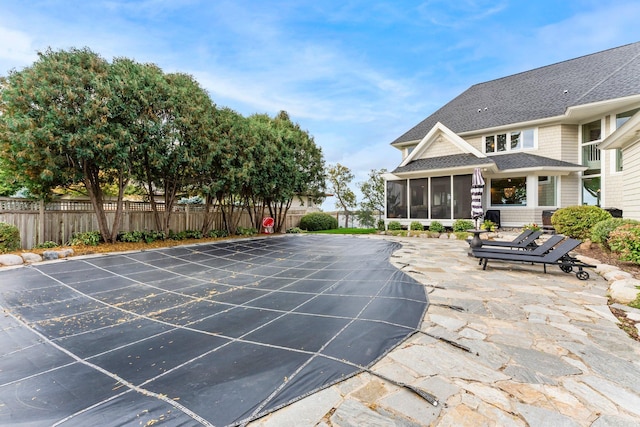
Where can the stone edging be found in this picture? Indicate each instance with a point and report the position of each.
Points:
(29, 257)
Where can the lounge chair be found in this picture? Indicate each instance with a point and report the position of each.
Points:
(542, 249)
(559, 256)
(528, 240)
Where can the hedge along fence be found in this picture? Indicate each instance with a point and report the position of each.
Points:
(57, 221)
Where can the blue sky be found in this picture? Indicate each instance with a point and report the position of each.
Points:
(355, 73)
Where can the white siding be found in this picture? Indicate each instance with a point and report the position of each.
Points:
(631, 186)
(442, 147)
(569, 190)
(550, 142)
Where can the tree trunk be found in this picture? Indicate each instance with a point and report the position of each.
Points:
(92, 184)
(119, 205)
(208, 215)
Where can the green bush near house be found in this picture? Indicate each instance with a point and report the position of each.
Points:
(577, 221)
(532, 227)
(317, 221)
(625, 240)
(416, 226)
(461, 235)
(381, 225)
(394, 226)
(9, 237)
(488, 225)
(437, 227)
(601, 231)
(462, 225)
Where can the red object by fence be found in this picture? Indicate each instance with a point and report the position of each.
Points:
(267, 224)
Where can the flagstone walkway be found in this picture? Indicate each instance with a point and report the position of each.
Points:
(509, 346)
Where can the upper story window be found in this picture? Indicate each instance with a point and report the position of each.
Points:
(592, 131)
(623, 117)
(408, 151)
(509, 141)
(591, 135)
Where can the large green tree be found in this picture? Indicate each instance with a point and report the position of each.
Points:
(224, 166)
(287, 164)
(340, 177)
(372, 202)
(57, 129)
(168, 118)
(305, 165)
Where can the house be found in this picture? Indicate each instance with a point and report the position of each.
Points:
(544, 139)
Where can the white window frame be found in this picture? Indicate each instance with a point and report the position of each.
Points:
(508, 141)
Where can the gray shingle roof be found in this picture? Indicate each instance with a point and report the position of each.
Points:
(539, 93)
(452, 161)
(502, 162)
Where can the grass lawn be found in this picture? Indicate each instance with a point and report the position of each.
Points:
(347, 231)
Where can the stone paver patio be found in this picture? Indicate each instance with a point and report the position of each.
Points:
(509, 346)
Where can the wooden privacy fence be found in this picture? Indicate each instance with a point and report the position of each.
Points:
(57, 221)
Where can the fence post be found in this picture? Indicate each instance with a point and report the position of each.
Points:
(40, 239)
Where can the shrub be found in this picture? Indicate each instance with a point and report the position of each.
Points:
(461, 235)
(140, 236)
(47, 245)
(394, 225)
(437, 227)
(9, 237)
(462, 225)
(246, 231)
(87, 238)
(416, 226)
(187, 234)
(317, 221)
(577, 221)
(294, 230)
(625, 240)
(218, 233)
(489, 225)
(533, 227)
(129, 236)
(381, 225)
(601, 231)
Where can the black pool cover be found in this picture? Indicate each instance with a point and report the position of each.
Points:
(212, 334)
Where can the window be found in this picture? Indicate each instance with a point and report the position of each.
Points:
(620, 120)
(592, 131)
(419, 198)
(591, 191)
(461, 196)
(441, 197)
(591, 135)
(618, 160)
(509, 191)
(623, 117)
(546, 191)
(397, 199)
(513, 141)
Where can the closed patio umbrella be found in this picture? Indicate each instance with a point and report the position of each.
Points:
(477, 188)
